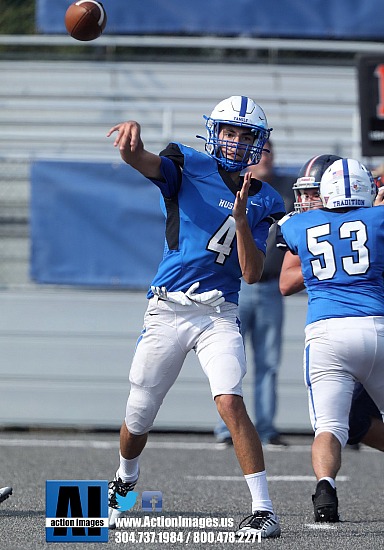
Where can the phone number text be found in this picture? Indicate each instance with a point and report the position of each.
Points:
(184, 537)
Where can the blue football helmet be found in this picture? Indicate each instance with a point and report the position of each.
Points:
(236, 111)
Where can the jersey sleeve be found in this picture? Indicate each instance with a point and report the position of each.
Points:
(172, 161)
(274, 203)
(285, 233)
(270, 204)
(261, 235)
(280, 240)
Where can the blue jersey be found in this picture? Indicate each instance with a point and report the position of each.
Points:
(342, 260)
(200, 245)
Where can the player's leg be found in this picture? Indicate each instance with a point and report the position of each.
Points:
(220, 351)
(367, 410)
(326, 456)
(156, 364)
(365, 421)
(375, 435)
(330, 390)
(247, 317)
(245, 439)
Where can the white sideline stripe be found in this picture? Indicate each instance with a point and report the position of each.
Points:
(270, 478)
(90, 443)
(319, 526)
(59, 443)
(99, 444)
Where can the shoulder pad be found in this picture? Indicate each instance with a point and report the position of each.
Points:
(287, 216)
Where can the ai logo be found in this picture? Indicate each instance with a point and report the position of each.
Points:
(76, 511)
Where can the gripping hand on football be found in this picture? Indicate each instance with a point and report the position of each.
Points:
(210, 298)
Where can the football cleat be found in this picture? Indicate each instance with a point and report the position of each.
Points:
(117, 490)
(325, 503)
(5, 492)
(262, 522)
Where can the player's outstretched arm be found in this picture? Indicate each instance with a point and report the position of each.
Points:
(131, 147)
(251, 259)
(291, 277)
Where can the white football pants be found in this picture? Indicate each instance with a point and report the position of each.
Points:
(170, 331)
(337, 352)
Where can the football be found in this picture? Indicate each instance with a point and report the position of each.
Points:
(85, 19)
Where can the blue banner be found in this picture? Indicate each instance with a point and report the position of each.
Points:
(340, 19)
(94, 224)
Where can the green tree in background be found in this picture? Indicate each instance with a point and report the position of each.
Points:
(17, 16)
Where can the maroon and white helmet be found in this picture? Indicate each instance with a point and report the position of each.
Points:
(308, 179)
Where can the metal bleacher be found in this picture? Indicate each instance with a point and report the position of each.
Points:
(63, 109)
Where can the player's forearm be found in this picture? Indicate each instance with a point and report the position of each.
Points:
(251, 259)
(144, 162)
(291, 280)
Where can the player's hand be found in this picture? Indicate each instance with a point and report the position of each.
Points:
(175, 297)
(210, 298)
(379, 200)
(240, 206)
(128, 136)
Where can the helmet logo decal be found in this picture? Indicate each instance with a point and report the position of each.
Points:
(240, 118)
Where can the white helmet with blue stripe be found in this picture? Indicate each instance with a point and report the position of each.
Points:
(236, 111)
(347, 184)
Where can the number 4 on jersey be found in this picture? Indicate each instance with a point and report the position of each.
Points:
(222, 241)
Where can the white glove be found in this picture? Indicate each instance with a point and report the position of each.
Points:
(176, 297)
(210, 298)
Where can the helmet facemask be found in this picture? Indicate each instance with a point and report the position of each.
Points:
(304, 189)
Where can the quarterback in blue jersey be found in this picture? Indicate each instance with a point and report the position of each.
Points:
(340, 248)
(217, 223)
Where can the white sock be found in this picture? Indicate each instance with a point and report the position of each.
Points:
(330, 480)
(258, 486)
(129, 469)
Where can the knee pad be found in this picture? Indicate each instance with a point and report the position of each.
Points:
(140, 412)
